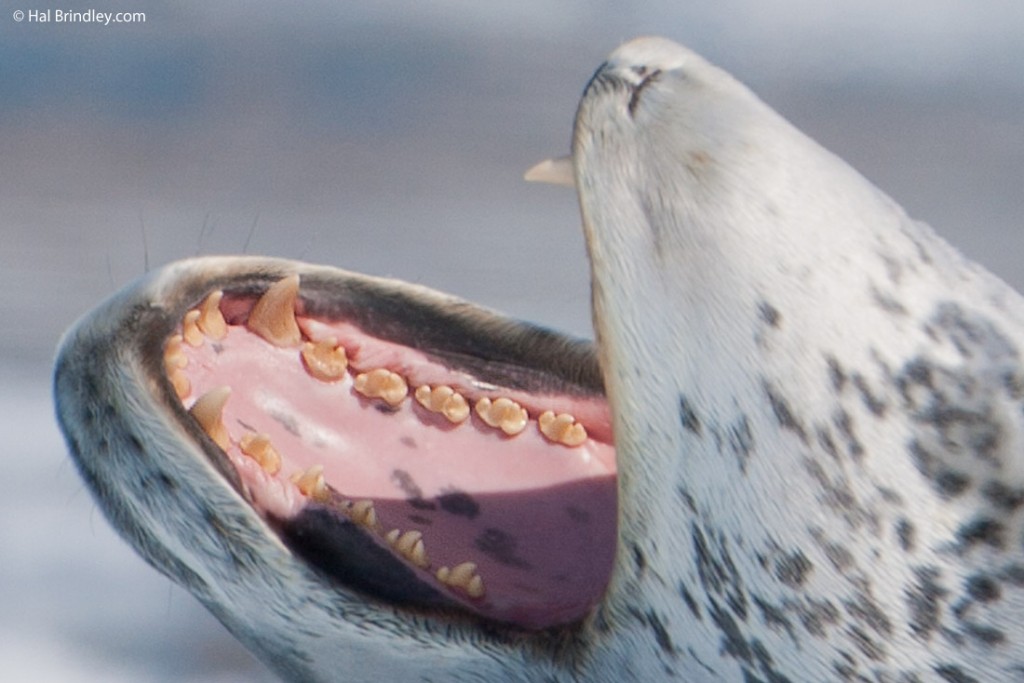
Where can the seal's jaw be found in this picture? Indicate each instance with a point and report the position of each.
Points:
(415, 453)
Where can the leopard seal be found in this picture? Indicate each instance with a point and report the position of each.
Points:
(816, 406)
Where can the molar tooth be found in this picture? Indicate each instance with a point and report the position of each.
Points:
(409, 545)
(461, 574)
(208, 410)
(190, 328)
(311, 482)
(502, 413)
(325, 360)
(364, 513)
(384, 384)
(445, 400)
(273, 316)
(561, 428)
(259, 448)
(211, 320)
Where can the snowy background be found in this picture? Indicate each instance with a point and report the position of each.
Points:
(390, 137)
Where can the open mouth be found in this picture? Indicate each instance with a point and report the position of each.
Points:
(407, 455)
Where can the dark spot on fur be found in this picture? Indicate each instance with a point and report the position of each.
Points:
(924, 599)
(661, 635)
(639, 559)
(459, 503)
(792, 569)
(773, 617)
(954, 674)
(816, 615)
(906, 532)
(835, 373)
(1013, 574)
(871, 402)
(887, 302)
(982, 588)
(866, 644)
(783, 413)
(769, 314)
(844, 423)
(982, 530)
(825, 441)
(688, 417)
(733, 643)
(716, 570)
(501, 547)
(1003, 496)
(691, 504)
(986, 635)
(690, 602)
(865, 610)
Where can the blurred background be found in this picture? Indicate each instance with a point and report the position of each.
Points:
(390, 138)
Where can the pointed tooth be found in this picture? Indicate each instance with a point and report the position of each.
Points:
(190, 328)
(392, 536)
(383, 384)
(475, 587)
(422, 396)
(208, 410)
(273, 316)
(461, 574)
(311, 482)
(211, 321)
(443, 574)
(503, 413)
(558, 171)
(325, 360)
(406, 541)
(561, 428)
(418, 555)
(364, 513)
(259, 448)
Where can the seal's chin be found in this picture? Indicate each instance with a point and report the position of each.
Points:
(408, 446)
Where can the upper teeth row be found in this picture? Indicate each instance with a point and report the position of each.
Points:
(273, 319)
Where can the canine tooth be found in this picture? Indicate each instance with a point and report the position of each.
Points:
(273, 316)
(364, 513)
(190, 328)
(208, 409)
(325, 360)
(259, 448)
(561, 428)
(445, 400)
(502, 413)
(311, 482)
(211, 320)
(384, 384)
